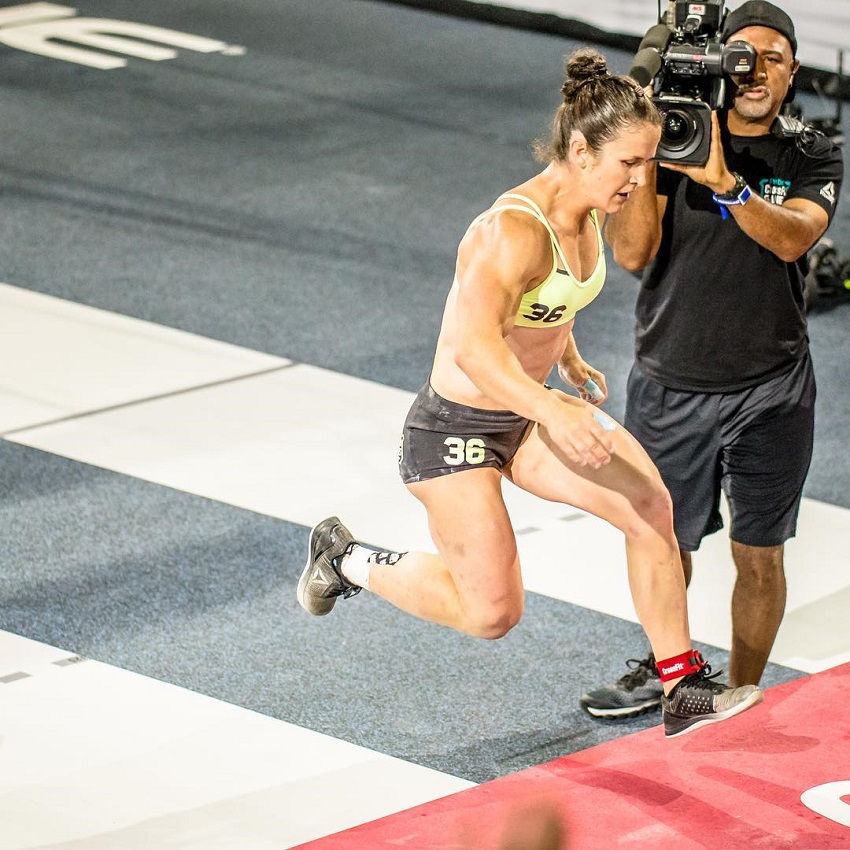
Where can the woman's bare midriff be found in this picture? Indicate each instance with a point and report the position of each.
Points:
(537, 349)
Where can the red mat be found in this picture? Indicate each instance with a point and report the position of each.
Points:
(736, 785)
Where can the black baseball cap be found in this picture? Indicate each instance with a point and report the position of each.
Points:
(759, 13)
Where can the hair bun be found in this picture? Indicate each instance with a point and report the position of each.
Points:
(597, 104)
(586, 65)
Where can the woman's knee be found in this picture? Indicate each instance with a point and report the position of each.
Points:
(493, 622)
(653, 510)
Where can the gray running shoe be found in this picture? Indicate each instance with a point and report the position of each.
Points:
(321, 581)
(698, 700)
(638, 691)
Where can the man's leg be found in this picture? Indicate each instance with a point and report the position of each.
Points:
(768, 439)
(687, 566)
(758, 604)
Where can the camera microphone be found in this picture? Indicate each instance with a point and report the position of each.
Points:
(647, 61)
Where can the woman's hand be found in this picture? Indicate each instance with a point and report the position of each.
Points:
(589, 382)
(574, 428)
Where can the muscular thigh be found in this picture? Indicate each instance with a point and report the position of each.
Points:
(611, 492)
(470, 526)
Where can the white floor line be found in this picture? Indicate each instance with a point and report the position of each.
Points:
(97, 758)
(302, 443)
(125, 761)
(59, 359)
(296, 444)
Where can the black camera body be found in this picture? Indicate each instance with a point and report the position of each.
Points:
(691, 81)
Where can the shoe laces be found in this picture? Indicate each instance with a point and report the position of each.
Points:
(642, 669)
(704, 680)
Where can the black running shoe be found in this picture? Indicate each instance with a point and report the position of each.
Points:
(321, 581)
(698, 700)
(638, 691)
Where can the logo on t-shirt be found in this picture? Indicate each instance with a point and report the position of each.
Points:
(774, 189)
(828, 192)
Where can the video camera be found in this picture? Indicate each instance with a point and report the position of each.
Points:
(686, 64)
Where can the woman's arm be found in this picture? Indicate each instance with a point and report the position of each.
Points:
(498, 260)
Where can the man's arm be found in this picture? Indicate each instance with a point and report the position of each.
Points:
(787, 230)
(634, 233)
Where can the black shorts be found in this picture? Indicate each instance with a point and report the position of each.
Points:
(441, 437)
(754, 444)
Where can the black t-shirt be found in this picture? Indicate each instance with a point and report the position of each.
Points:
(717, 312)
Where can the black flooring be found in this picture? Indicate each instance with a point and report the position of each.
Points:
(303, 199)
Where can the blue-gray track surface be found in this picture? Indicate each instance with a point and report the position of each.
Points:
(303, 199)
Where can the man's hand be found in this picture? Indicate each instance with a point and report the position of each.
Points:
(714, 173)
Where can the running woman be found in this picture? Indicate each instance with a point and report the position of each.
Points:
(525, 267)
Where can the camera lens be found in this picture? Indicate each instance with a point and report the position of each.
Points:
(677, 130)
(685, 129)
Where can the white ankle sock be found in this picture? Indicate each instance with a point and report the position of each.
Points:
(357, 565)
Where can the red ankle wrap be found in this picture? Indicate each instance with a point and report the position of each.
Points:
(680, 665)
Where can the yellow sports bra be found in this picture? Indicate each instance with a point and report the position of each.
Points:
(557, 299)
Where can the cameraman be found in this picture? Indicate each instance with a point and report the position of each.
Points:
(722, 392)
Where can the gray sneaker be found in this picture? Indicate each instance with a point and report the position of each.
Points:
(637, 691)
(321, 581)
(698, 700)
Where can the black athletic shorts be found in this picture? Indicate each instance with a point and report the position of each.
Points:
(754, 444)
(441, 437)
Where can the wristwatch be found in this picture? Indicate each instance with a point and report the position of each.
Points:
(737, 196)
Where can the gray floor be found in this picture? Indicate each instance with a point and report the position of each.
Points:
(304, 199)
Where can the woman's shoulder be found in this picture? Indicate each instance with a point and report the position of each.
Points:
(507, 221)
(506, 243)
(513, 210)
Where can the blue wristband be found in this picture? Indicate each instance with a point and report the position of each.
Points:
(736, 197)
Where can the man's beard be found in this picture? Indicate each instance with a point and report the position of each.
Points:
(753, 109)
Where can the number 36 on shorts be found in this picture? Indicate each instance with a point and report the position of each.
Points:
(464, 451)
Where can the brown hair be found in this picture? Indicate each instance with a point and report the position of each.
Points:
(597, 103)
